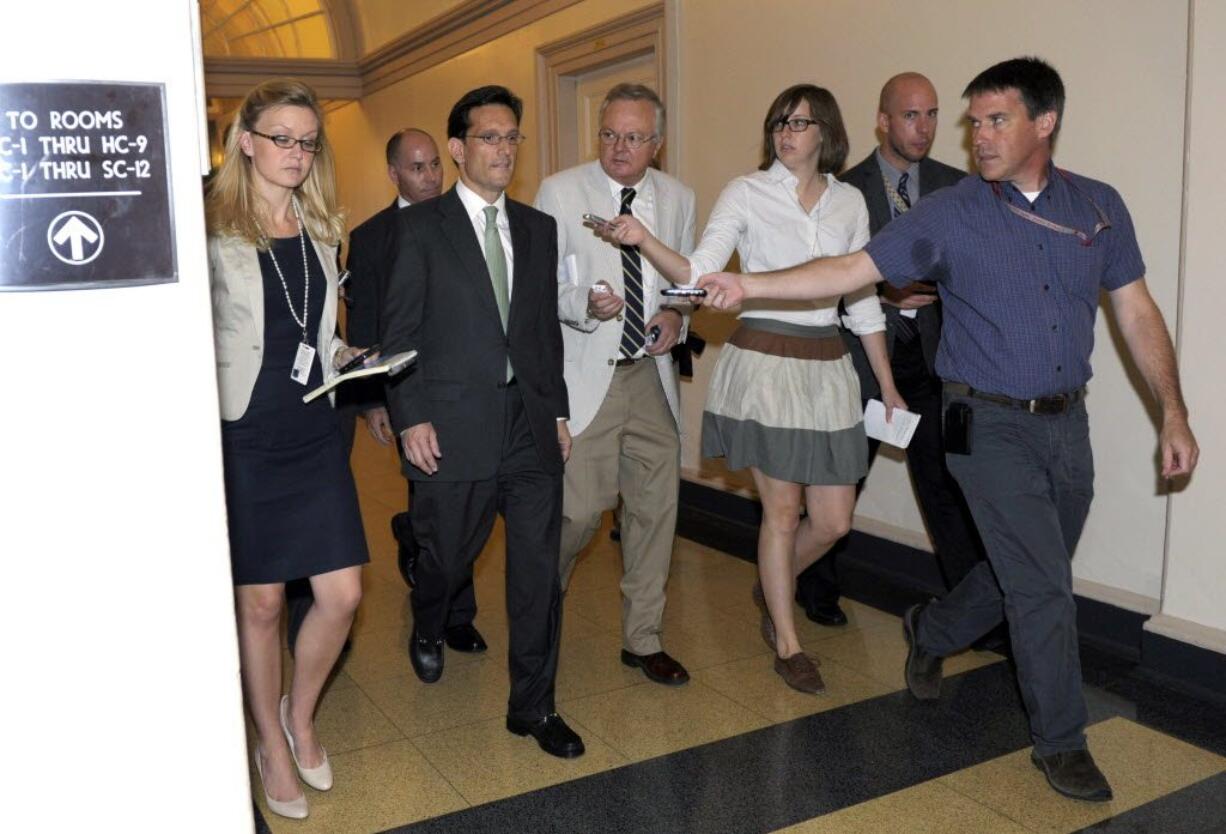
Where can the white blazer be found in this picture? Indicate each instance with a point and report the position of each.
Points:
(238, 319)
(591, 346)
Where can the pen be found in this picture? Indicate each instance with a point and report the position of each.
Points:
(357, 361)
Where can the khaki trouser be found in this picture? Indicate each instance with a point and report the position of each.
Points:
(630, 448)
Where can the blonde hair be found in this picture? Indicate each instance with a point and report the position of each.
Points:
(232, 206)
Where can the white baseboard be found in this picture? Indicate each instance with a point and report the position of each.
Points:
(1120, 598)
(1186, 631)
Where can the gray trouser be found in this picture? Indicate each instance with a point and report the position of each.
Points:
(1028, 481)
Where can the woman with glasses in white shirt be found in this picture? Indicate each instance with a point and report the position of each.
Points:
(784, 399)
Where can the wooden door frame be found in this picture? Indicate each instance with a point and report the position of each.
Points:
(642, 32)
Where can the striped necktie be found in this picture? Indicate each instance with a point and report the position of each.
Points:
(633, 327)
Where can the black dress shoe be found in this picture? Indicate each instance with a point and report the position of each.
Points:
(922, 670)
(658, 667)
(551, 733)
(406, 548)
(465, 638)
(426, 655)
(826, 613)
(1074, 774)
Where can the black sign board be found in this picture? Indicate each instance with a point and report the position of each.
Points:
(84, 186)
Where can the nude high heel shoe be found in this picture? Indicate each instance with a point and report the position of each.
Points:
(295, 809)
(319, 778)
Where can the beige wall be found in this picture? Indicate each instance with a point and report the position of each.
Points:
(1124, 63)
(1124, 66)
(384, 20)
(360, 130)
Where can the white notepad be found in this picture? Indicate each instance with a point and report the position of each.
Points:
(897, 432)
(390, 365)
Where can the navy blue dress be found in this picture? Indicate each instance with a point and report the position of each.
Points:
(293, 508)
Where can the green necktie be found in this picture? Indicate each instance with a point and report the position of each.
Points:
(496, 263)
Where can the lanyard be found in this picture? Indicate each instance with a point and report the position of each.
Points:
(1085, 239)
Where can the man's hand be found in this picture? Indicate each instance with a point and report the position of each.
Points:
(564, 441)
(603, 304)
(421, 447)
(725, 290)
(911, 297)
(669, 322)
(379, 425)
(623, 230)
(1179, 449)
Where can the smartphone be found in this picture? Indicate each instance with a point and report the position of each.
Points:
(683, 292)
(957, 429)
(357, 361)
(594, 220)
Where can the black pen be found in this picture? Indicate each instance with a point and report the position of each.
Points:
(357, 360)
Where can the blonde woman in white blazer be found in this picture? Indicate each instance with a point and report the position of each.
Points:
(292, 506)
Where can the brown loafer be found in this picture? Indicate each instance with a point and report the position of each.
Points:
(658, 667)
(767, 627)
(800, 673)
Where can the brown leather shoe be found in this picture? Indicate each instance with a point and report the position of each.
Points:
(767, 627)
(800, 673)
(658, 667)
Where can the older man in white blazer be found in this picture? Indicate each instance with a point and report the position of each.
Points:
(624, 397)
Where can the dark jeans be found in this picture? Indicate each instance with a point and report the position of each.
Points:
(452, 521)
(957, 545)
(1029, 480)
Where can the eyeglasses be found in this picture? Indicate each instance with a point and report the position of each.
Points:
(511, 139)
(633, 141)
(797, 125)
(286, 142)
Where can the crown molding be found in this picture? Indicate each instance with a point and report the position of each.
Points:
(234, 77)
(465, 27)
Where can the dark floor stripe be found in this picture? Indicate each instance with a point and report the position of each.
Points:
(777, 776)
(1197, 809)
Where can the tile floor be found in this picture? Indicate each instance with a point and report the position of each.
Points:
(734, 750)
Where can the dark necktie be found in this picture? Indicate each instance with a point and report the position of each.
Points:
(633, 328)
(902, 189)
(905, 329)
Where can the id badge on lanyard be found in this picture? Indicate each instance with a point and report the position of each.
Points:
(301, 372)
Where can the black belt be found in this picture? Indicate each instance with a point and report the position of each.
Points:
(623, 362)
(1052, 404)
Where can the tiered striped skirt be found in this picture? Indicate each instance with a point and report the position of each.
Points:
(785, 399)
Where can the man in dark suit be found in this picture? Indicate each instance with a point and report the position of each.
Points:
(895, 175)
(482, 416)
(414, 167)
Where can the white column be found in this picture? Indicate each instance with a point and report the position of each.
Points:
(122, 706)
(1194, 587)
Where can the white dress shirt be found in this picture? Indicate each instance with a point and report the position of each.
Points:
(760, 216)
(474, 206)
(401, 202)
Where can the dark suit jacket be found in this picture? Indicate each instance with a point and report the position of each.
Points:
(372, 251)
(867, 177)
(440, 303)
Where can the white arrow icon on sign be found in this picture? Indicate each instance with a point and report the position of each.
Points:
(81, 232)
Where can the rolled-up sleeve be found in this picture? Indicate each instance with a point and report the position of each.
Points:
(727, 223)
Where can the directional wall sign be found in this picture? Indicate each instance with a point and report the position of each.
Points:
(84, 186)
